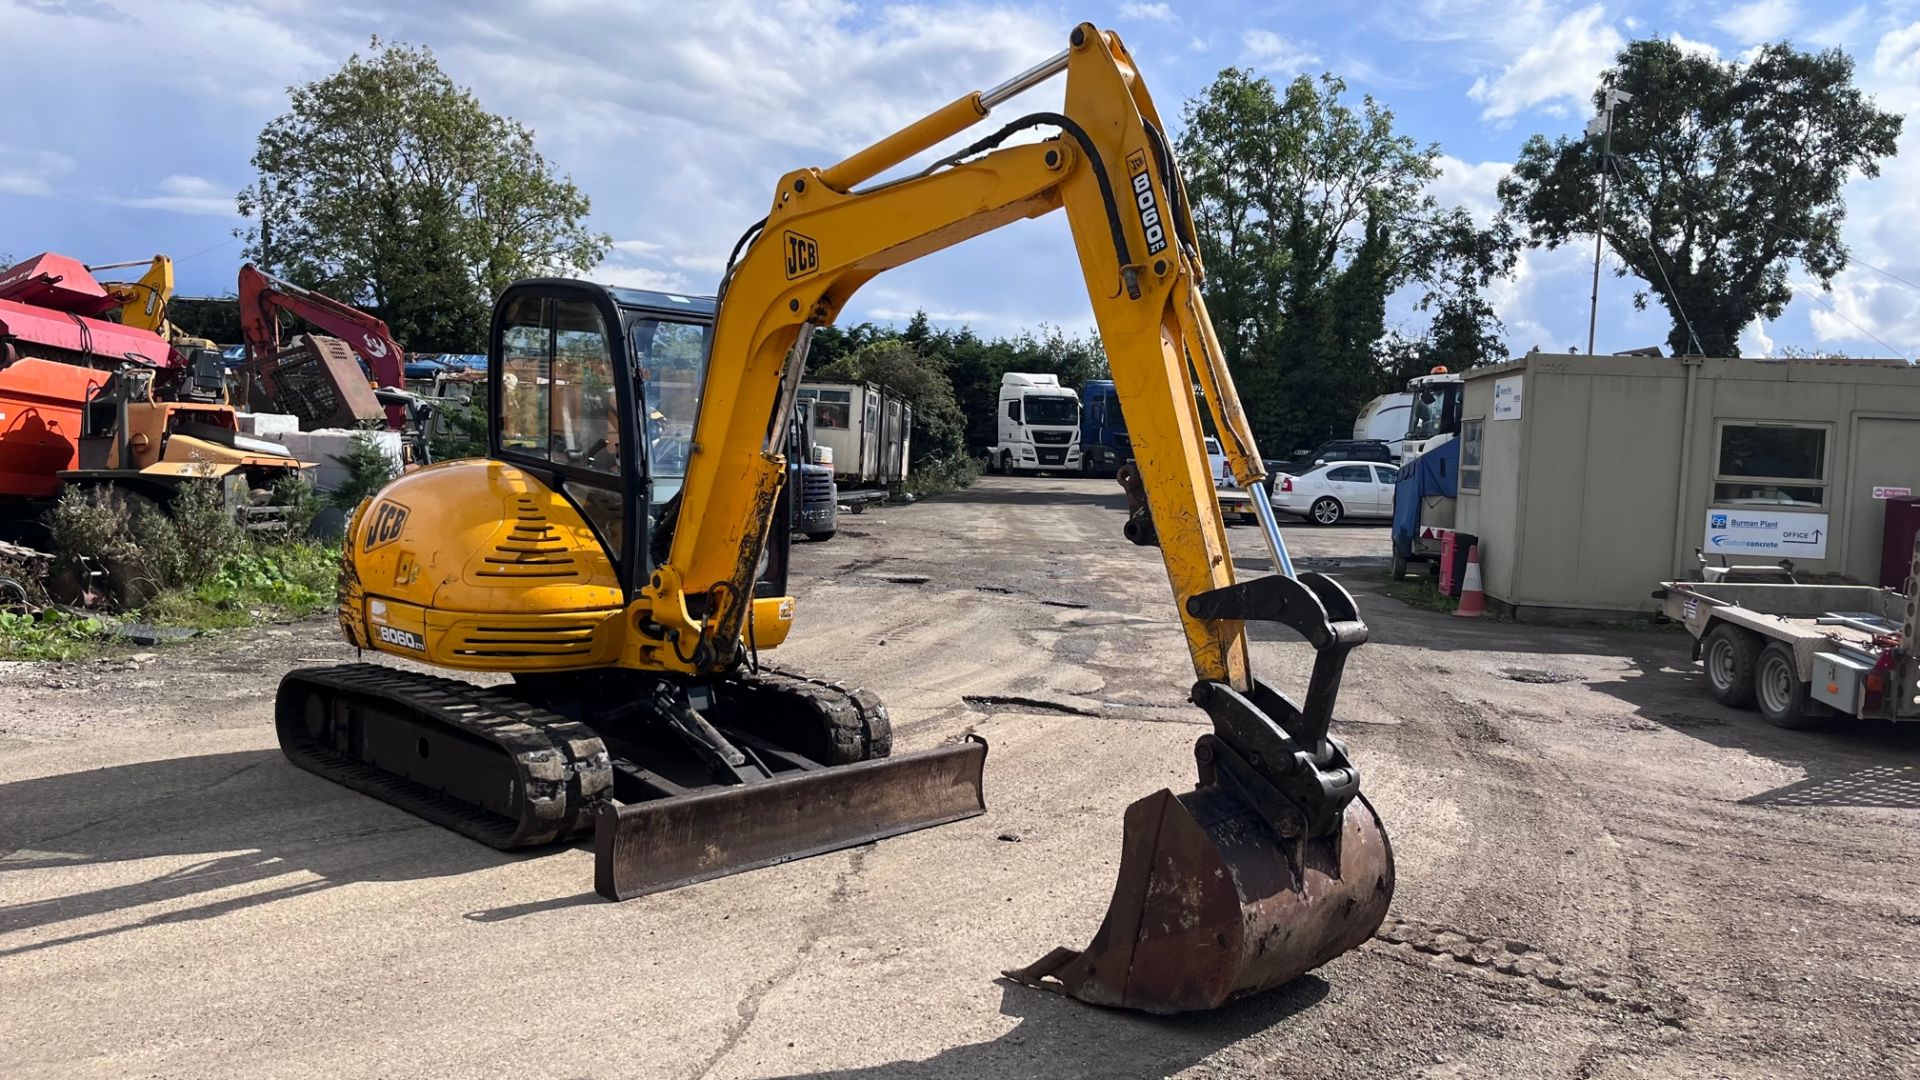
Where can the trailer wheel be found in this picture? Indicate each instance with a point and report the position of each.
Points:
(1399, 570)
(1785, 700)
(1730, 654)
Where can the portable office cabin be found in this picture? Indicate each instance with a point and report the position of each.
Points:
(1589, 479)
(868, 429)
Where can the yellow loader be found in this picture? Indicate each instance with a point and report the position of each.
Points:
(617, 553)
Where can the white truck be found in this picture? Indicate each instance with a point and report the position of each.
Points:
(1386, 418)
(1039, 426)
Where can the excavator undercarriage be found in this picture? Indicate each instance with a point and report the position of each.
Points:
(622, 555)
(739, 774)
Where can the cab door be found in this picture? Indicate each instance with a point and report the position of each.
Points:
(1388, 479)
(1353, 486)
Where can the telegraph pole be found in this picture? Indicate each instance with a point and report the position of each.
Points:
(1604, 125)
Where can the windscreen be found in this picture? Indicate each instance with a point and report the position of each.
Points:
(672, 360)
(1430, 410)
(1052, 411)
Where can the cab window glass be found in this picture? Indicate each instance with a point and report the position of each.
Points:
(584, 410)
(526, 363)
(672, 358)
(1352, 474)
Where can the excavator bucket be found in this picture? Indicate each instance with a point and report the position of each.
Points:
(1211, 905)
(1272, 866)
(661, 844)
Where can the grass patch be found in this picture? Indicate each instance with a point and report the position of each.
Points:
(267, 583)
(1420, 592)
(56, 635)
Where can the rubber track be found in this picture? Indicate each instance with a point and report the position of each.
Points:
(559, 768)
(856, 717)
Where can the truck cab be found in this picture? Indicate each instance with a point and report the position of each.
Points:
(816, 498)
(1104, 444)
(1039, 426)
(1435, 418)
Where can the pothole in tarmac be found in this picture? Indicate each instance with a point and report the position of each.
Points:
(1536, 675)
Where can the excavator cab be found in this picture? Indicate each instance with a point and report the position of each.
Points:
(596, 394)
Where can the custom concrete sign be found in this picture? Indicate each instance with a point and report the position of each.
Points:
(1767, 532)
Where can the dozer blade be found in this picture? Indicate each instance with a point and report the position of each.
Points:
(661, 844)
(1211, 905)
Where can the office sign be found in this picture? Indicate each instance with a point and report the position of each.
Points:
(1506, 397)
(1767, 532)
(1892, 493)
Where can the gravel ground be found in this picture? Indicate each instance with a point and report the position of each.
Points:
(1602, 872)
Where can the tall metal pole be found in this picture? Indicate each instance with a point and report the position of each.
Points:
(1600, 226)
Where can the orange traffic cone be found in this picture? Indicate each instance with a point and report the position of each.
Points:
(1473, 597)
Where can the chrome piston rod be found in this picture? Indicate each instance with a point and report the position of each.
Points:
(1270, 527)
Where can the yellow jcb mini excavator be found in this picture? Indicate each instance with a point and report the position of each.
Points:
(617, 555)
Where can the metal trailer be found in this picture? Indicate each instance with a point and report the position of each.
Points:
(1800, 653)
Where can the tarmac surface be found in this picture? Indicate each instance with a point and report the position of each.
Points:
(1602, 872)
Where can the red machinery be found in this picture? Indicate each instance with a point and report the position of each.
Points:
(263, 297)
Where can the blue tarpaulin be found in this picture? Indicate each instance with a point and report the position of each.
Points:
(427, 365)
(1436, 472)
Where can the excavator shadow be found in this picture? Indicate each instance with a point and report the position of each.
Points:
(248, 820)
(1062, 1039)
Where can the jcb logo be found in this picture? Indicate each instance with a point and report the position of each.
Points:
(1146, 203)
(388, 519)
(803, 256)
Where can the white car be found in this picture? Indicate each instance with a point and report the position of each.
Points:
(1327, 494)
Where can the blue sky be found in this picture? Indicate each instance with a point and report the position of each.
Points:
(678, 117)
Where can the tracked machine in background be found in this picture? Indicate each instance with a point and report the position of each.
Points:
(618, 556)
(350, 374)
(85, 400)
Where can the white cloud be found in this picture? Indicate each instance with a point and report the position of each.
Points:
(1565, 66)
(34, 173)
(1148, 12)
(1848, 31)
(635, 247)
(1762, 20)
(1894, 75)
(1268, 51)
(1693, 48)
(1874, 315)
(1469, 185)
(641, 277)
(184, 195)
(1755, 341)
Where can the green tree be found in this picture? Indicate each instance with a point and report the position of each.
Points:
(1723, 176)
(388, 186)
(1310, 212)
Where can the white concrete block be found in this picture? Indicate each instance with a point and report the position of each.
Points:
(322, 447)
(267, 425)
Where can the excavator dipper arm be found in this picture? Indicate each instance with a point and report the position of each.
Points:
(1274, 864)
